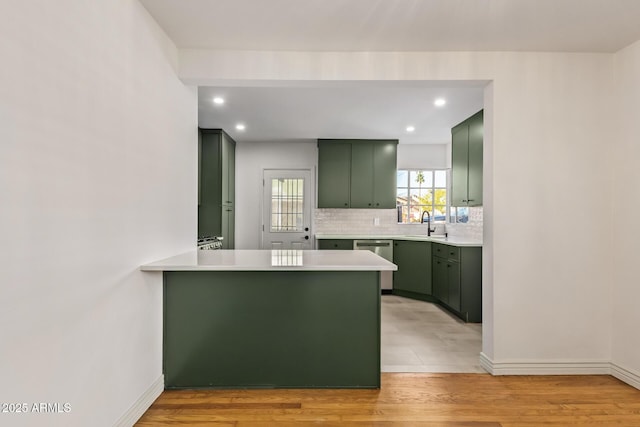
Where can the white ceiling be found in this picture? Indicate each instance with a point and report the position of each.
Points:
(400, 25)
(376, 109)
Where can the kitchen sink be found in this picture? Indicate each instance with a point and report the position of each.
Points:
(439, 236)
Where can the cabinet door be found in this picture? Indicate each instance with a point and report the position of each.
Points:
(440, 279)
(460, 165)
(475, 160)
(335, 244)
(362, 174)
(334, 171)
(228, 227)
(199, 166)
(384, 179)
(414, 268)
(209, 212)
(227, 167)
(231, 172)
(453, 284)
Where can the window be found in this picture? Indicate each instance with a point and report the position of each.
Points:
(287, 204)
(421, 190)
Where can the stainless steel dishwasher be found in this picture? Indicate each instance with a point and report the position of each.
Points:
(383, 248)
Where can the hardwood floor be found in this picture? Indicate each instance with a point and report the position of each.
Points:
(413, 399)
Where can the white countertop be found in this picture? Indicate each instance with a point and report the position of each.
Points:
(451, 240)
(272, 260)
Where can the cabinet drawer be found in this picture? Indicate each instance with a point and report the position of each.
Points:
(340, 244)
(446, 251)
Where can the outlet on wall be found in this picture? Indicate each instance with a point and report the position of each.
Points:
(376, 221)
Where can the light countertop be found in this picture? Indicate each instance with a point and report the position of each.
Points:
(451, 240)
(272, 260)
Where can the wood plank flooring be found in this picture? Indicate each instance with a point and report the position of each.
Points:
(413, 399)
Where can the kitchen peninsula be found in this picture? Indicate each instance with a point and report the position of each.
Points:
(272, 318)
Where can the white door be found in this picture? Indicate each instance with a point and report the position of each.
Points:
(286, 208)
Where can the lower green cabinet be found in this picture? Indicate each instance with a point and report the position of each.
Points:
(457, 280)
(414, 272)
(335, 244)
(440, 291)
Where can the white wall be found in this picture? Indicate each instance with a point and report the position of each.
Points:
(251, 160)
(427, 156)
(549, 147)
(626, 199)
(98, 175)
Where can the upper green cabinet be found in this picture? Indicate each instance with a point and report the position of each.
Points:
(334, 174)
(216, 189)
(466, 162)
(357, 173)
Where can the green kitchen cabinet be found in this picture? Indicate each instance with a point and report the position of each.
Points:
(413, 277)
(334, 174)
(466, 162)
(373, 174)
(457, 280)
(216, 166)
(440, 282)
(357, 173)
(228, 227)
(454, 285)
(335, 244)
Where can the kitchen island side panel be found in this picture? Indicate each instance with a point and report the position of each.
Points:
(263, 329)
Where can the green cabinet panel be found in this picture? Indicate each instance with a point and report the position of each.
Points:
(476, 138)
(385, 156)
(334, 174)
(336, 244)
(457, 280)
(362, 175)
(228, 227)
(229, 162)
(216, 178)
(466, 162)
(414, 266)
(270, 329)
(357, 173)
(459, 165)
(453, 284)
(439, 283)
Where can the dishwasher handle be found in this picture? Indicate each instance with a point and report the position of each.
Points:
(372, 244)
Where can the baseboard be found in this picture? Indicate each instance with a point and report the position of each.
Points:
(486, 363)
(624, 375)
(142, 404)
(545, 368)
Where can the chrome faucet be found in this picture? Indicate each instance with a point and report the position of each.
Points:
(429, 230)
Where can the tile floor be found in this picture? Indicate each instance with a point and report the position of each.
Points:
(418, 336)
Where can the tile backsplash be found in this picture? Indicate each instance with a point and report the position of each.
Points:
(363, 221)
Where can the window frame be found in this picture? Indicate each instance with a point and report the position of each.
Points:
(407, 186)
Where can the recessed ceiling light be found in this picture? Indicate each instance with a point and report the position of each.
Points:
(217, 100)
(439, 102)
(240, 126)
(410, 128)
